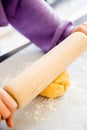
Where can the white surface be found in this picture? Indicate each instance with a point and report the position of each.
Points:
(10, 39)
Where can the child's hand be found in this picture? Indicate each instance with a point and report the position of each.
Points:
(7, 107)
(81, 28)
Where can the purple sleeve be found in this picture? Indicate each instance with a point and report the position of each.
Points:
(36, 20)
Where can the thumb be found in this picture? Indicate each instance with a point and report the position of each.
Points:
(9, 121)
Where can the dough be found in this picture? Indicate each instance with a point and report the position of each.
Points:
(57, 87)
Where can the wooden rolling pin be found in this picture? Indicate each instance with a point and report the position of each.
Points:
(28, 84)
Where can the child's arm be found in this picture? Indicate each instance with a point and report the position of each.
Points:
(36, 20)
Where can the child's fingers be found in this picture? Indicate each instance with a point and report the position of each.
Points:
(8, 100)
(9, 121)
(82, 28)
(8, 106)
(85, 24)
(4, 111)
(0, 117)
